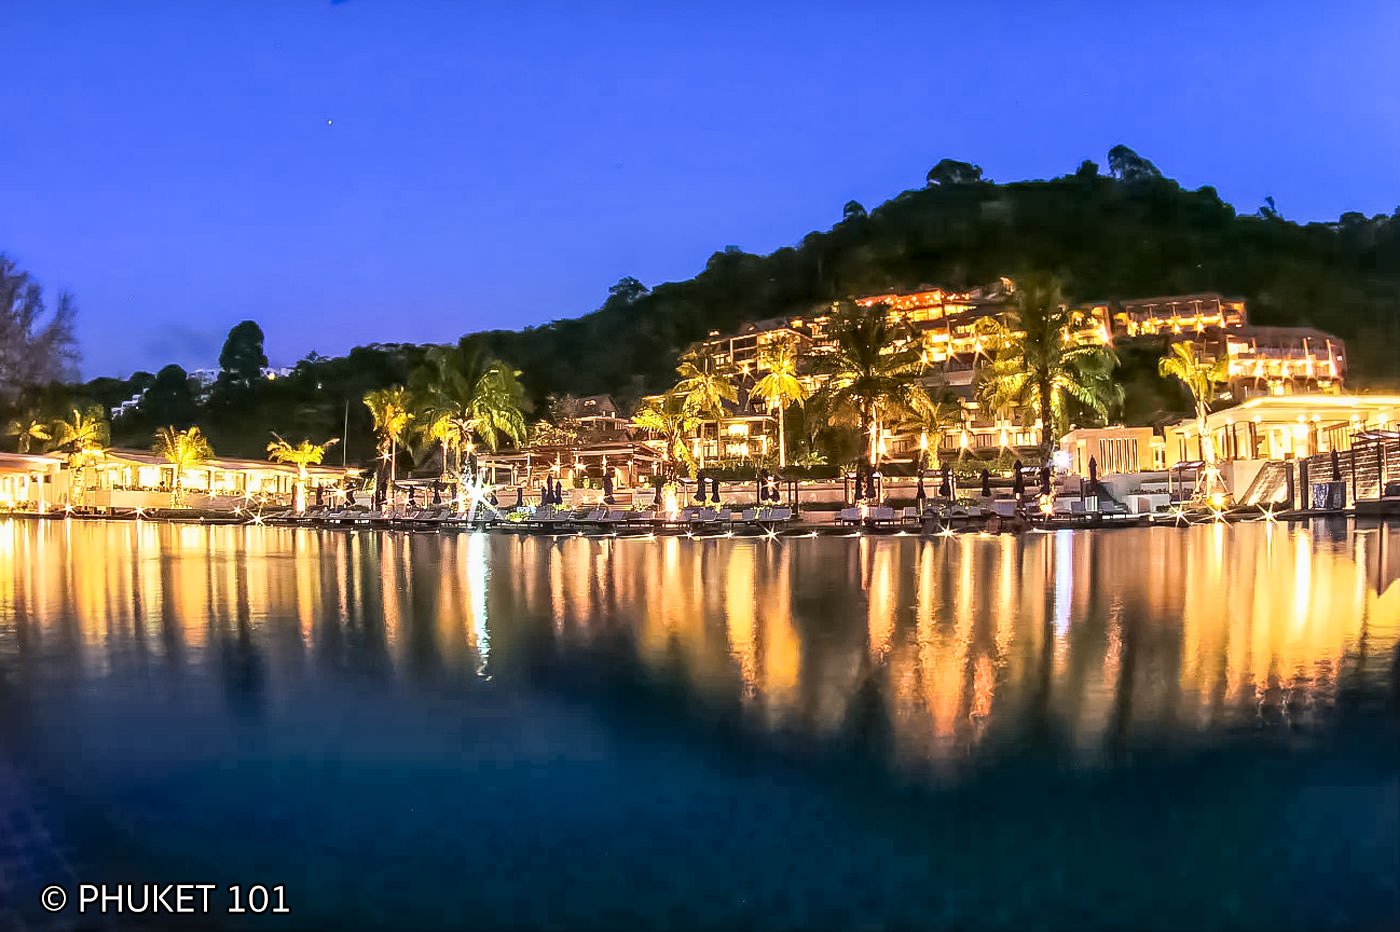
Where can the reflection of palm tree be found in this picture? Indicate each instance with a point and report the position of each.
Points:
(182, 449)
(873, 372)
(780, 386)
(300, 455)
(1043, 362)
(27, 428)
(83, 437)
(668, 417)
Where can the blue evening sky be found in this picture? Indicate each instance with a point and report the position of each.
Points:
(363, 170)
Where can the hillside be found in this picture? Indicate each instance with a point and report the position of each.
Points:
(1110, 237)
(1131, 233)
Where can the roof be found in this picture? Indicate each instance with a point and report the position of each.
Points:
(29, 462)
(146, 457)
(1256, 332)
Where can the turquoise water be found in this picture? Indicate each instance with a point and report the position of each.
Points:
(1154, 728)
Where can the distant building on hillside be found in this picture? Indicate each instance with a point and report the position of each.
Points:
(1263, 360)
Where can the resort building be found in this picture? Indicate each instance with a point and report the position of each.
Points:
(138, 479)
(1284, 427)
(30, 482)
(629, 464)
(1114, 450)
(1263, 361)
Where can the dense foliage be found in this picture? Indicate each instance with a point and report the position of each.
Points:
(1129, 233)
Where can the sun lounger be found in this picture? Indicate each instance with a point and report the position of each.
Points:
(881, 516)
(849, 516)
(705, 517)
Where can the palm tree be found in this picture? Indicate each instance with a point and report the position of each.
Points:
(463, 394)
(780, 387)
(704, 388)
(1200, 375)
(388, 407)
(182, 449)
(27, 428)
(1042, 363)
(83, 437)
(669, 417)
(933, 421)
(874, 371)
(301, 455)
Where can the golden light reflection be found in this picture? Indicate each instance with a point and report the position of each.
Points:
(958, 642)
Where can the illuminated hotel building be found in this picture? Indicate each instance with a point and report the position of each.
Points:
(1263, 360)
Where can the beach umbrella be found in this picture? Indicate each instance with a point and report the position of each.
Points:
(1045, 479)
(350, 497)
(986, 483)
(945, 488)
(437, 492)
(1093, 476)
(656, 499)
(714, 489)
(493, 499)
(546, 494)
(871, 492)
(519, 496)
(1018, 480)
(700, 490)
(558, 492)
(607, 486)
(860, 486)
(1336, 467)
(919, 494)
(320, 495)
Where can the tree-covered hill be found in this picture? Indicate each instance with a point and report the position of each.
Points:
(1129, 233)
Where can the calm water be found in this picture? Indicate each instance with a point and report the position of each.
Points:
(1156, 727)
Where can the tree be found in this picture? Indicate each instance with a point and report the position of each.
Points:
(301, 455)
(780, 386)
(463, 393)
(1044, 359)
(169, 399)
(705, 388)
(27, 428)
(951, 172)
(1200, 375)
(242, 359)
(853, 210)
(182, 449)
(672, 419)
(933, 421)
(1127, 165)
(35, 346)
(873, 372)
(627, 290)
(389, 409)
(83, 436)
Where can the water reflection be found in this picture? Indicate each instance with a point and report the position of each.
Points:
(927, 652)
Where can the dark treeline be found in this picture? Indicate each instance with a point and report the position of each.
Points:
(1121, 233)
